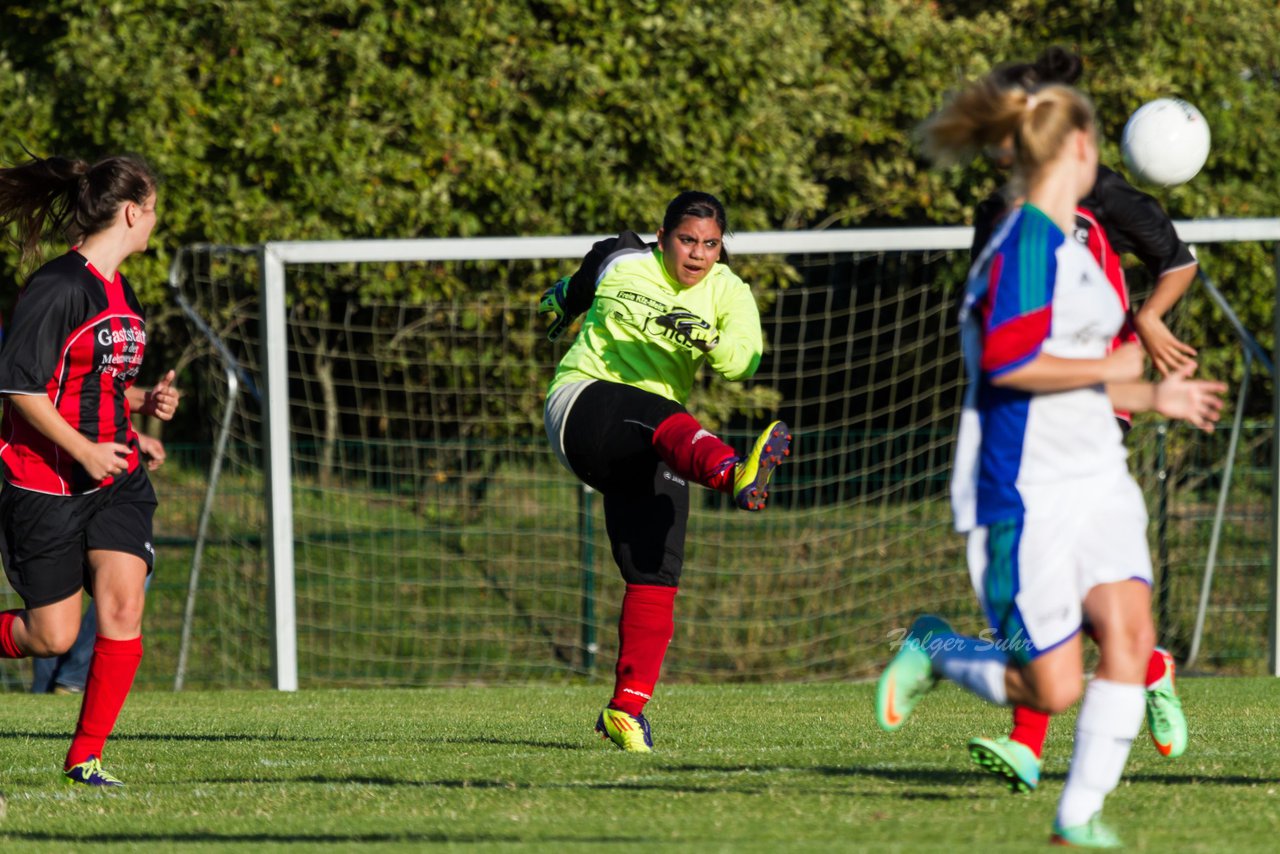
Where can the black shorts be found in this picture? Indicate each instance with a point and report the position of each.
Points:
(608, 441)
(45, 539)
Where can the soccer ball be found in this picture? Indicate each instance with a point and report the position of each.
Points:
(1165, 142)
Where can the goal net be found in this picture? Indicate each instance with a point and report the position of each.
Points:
(411, 526)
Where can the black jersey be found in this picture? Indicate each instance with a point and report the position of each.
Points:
(1133, 221)
(78, 338)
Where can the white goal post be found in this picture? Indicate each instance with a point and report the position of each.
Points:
(277, 256)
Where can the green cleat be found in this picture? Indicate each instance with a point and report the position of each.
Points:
(1165, 720)
(1091, 834)
(751, 474)
(1010, 760)
(909, 675)
(89, 773)
(629, 732)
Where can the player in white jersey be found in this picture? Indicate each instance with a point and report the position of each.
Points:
(1056, 525)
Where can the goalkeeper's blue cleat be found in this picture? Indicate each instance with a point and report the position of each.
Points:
(1165, 720)
(90, 773)
(1091, 834)
(751, 474)
(630, 732)
(1010, 760)
(909, 675)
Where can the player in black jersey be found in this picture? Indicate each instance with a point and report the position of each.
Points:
(76, 505)
(1132, 222)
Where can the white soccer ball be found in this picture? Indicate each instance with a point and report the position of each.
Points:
(1165, 142)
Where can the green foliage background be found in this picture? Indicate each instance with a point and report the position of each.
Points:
(271, 119)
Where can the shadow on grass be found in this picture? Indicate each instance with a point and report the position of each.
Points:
(252, 737)
(79, 838)
(186, 736)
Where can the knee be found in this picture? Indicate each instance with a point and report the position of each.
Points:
(1129, 642)
(120, 616)
(49, 641)
(1058, 696)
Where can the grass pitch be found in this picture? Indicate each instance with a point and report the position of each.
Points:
(739, 767)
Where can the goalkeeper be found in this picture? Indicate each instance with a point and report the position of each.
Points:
(615, 417)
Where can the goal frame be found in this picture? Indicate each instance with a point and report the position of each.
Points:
(278, 255)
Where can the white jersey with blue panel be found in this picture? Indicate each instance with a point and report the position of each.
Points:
(1032, 290)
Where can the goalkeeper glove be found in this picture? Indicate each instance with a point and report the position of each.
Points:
(696, 331)
(552, 309)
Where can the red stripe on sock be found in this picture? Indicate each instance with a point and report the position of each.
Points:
(1030, 727)
(111, 672)
(8, 646)
(644, 631)
(694, 453)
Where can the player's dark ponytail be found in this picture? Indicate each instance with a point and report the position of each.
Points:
(697, 204)
(61, 196)
(1055, 65)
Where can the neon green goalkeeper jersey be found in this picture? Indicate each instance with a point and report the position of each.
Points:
(623, 337)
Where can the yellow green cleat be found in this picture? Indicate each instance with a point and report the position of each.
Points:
(90, 773)
(751, 474)
(630, 732)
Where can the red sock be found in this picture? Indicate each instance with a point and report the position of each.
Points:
(111, 672)
(1030, 727)
(8, 648)
(694, 453)
(644, 631)
(1156, 664)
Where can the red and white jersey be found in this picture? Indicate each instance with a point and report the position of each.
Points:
(78, 338)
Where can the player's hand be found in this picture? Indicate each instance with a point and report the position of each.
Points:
(696, 331)
(152, 450)
(162, 400)
(1123, 364)
(551, 308)
(1167, 353)
(105, 459)
(1198, 402)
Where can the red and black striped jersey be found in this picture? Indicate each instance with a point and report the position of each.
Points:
(78, 338)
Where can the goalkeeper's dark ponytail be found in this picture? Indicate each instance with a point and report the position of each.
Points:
(65, 197)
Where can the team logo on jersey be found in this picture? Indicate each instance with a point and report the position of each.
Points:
(128, 335)
(119, 351)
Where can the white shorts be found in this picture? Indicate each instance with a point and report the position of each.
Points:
(1033, 572)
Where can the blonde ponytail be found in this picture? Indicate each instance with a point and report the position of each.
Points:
(987, 112)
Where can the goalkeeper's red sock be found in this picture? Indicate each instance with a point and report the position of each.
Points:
(1030, 727)
(111, 672)
(644, 631)
(8, 646)
(694, 453)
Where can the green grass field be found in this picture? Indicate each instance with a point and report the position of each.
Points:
(742, 767)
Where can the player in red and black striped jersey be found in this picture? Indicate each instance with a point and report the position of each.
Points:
(77, 338)
(76, 506)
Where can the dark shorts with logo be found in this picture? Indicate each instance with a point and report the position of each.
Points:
(608, 440)
(45, 539)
